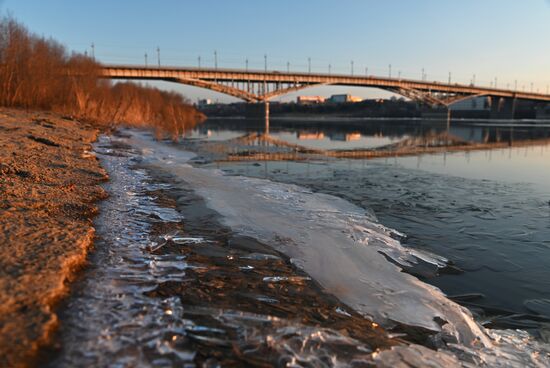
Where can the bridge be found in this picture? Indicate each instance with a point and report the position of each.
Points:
(263, 85)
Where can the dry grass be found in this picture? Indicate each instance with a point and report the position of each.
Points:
(39, 73)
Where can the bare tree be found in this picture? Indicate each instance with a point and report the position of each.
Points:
(38, 73)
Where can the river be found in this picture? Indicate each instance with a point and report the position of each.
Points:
(487, 211)
(201, 266)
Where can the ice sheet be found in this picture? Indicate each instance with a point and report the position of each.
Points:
(344, 249)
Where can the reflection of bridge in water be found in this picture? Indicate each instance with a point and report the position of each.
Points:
(262, 86)
(436, 144)
(406, 139)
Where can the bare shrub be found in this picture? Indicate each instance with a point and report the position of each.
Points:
(38, 73)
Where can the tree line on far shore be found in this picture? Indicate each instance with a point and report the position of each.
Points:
(39, 73)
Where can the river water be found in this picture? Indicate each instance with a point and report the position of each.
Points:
(486, 211)
(169, 281)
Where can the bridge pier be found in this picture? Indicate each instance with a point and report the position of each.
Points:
(503, 108)
(259, 111)
(266, 110)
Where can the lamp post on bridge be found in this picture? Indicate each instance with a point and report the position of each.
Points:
(93, 51)
(158, 55)
(145, 60)
(265, 63)
(329, 69)
(449, 77)
(246, 64)
(216, 59)
(390, 70)
(352, 67)
(309, 65)
(422, 78)
(199, 61)
(288, 66)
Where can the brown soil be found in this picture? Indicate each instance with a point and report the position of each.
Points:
(48, 185)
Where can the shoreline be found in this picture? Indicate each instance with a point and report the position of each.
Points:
(204, 272)
(50, 183)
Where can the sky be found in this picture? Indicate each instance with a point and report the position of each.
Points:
(504, 39)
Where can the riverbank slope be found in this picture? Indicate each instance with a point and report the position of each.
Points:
(49, 182)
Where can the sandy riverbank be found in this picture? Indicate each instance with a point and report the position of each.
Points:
(49, 183)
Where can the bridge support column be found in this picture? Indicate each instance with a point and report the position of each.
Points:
(503, 108)
(448, 119)
(266, 110)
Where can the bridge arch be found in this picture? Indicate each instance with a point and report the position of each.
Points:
(270, 84)
(247, 96)
(243, 94)
(251, 97)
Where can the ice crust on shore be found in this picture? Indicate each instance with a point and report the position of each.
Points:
(345, 250)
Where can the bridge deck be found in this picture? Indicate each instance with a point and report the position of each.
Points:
(210, 76)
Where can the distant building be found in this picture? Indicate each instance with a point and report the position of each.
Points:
(543, 112)
(204, 102)
(353, 137)
(344, 98)
(310, 100)
(345, 137)
(477, 103)
(303, 136)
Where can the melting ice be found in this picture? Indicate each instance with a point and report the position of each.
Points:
(345, 250)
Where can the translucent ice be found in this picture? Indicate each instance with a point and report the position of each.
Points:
(344, 249)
